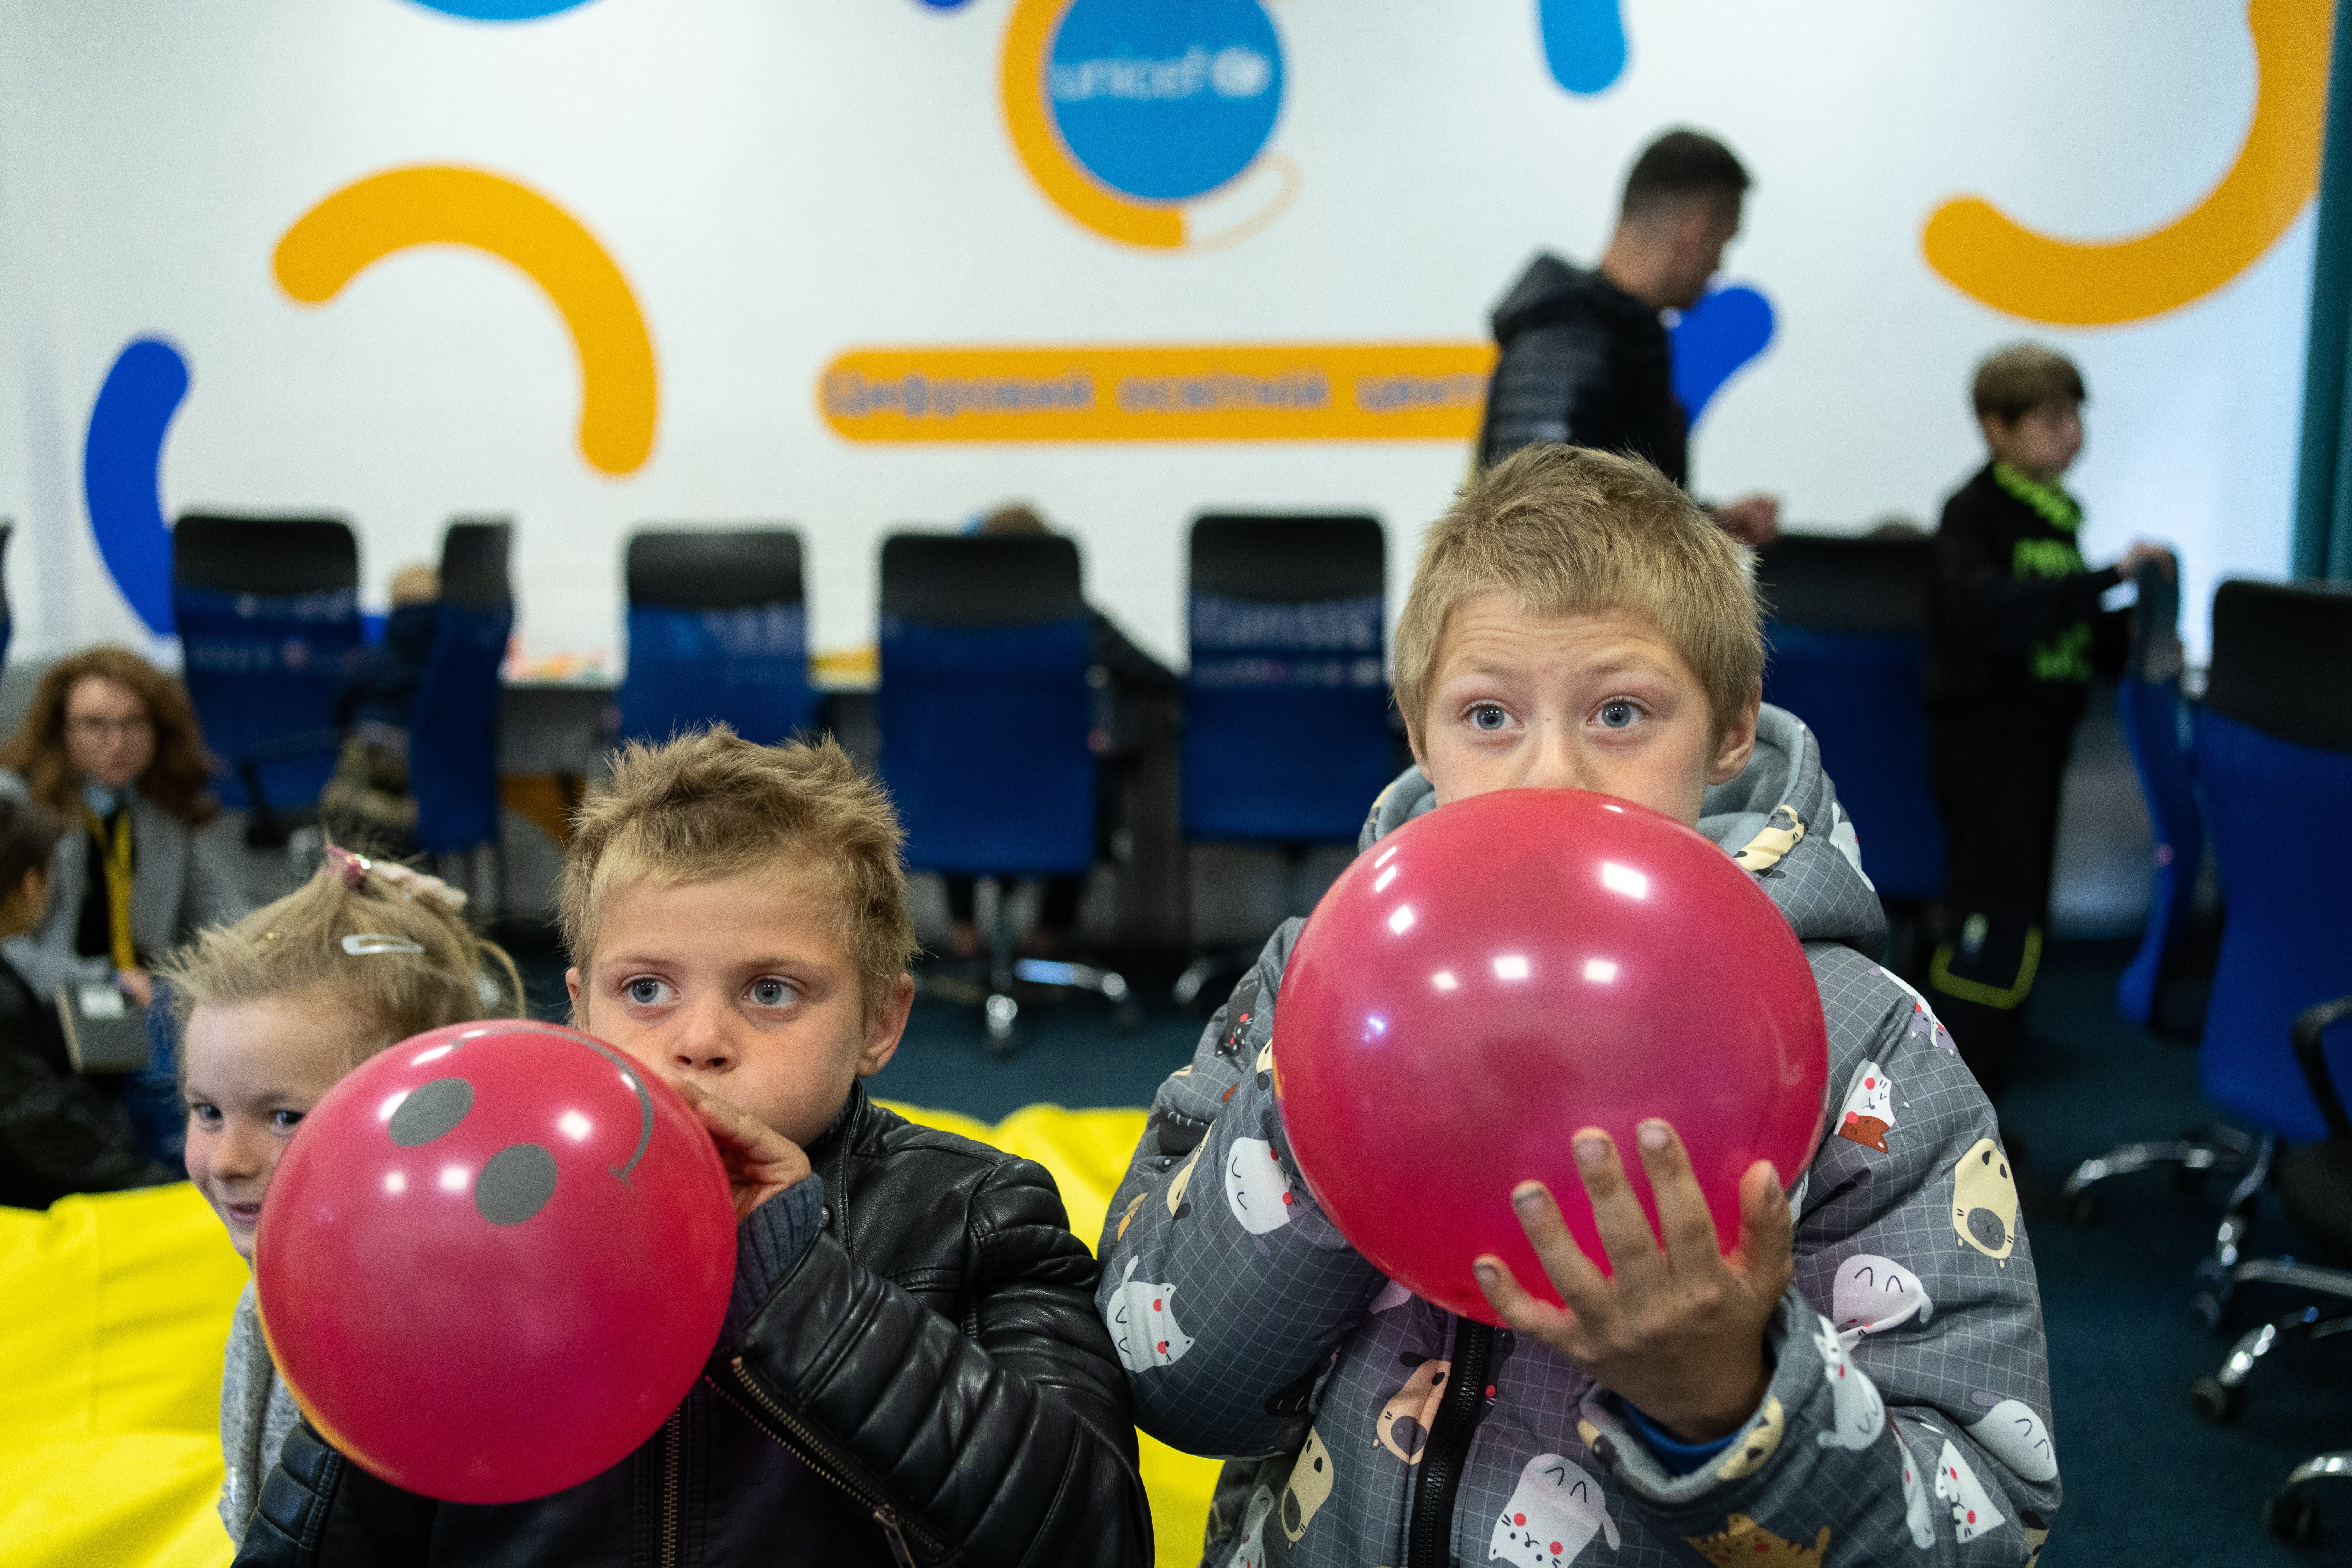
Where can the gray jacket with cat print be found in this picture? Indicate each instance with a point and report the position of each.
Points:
(1908, 1417)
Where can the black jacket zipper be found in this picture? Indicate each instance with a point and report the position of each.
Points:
(1430, 1535)
(673, 1440)
(825, 1458)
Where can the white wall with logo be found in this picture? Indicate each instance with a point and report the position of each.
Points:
(781, 182)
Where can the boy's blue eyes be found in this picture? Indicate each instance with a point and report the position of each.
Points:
(768, 991)
(1617, 713)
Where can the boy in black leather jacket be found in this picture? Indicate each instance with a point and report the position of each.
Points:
(911, 1368)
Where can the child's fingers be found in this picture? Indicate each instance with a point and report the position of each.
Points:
(1685, 1223)
(1625, 1232)
(686, 1089)
(1527, 1314)
(1766, 1228)
(1577, 1277)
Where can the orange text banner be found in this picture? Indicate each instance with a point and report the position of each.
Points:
(1247, 392)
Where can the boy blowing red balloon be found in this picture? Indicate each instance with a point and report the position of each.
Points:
(908, 1370)
(1865, 1371)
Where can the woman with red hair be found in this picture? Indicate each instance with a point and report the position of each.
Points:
(112, 747)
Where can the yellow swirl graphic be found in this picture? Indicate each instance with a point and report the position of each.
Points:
(433, 204)
(1027, 36)
(2077, 283)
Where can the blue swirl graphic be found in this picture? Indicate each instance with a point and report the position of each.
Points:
(1714, 339)
(121, 474)
(1583, 42)
(500, 10)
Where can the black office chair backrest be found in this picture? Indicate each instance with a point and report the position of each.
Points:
(474, 563)
(1845, 584)
(267, 555)
(1288, 560)
(2283, 660)
(981, 580)
(715, 568)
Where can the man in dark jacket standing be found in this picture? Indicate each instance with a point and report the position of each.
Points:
(1585, 358)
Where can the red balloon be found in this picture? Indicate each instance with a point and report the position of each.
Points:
(493, 1261)
(1507, 970)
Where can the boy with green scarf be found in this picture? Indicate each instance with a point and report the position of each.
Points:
(2015, 637)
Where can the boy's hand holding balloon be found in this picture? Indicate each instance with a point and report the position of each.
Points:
(1677, 1329)
(761, 1161)
(1490, 1004)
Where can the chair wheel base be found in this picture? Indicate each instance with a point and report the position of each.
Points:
(2291, 1515)
(2210, 1300)
(2216, 1401)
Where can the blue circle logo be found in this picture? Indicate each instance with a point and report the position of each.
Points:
(1165, 103)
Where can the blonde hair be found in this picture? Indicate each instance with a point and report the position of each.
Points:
(386, 947)
(710, 804)
(1569, 531)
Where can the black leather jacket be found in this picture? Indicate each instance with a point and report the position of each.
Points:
(928, 1384)
(1585, 363)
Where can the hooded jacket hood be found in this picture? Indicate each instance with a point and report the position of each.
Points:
(1778, 818)
(1550, 290)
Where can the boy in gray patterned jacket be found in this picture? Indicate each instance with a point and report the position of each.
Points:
(1862, 1380)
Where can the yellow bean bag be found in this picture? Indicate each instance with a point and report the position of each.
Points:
(117, 1316)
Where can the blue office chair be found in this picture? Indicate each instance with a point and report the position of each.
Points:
(1287, 617)
(718, 634)
(2273, 752)
(2314, 1181)
(267, 611)
(453, 741)
(2152, 718)
(985, 712)
(1845, 651)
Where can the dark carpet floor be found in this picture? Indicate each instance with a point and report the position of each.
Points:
(2146, 1480)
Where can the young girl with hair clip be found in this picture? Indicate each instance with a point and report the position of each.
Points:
(274, 1009)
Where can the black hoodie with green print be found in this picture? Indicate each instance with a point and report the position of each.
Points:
(2016, 622)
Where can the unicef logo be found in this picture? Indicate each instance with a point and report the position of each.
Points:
(1164, 103)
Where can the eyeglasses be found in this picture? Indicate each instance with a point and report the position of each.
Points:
(91, 727)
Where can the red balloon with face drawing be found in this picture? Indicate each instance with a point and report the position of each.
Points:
(1510, 968)
(493, 1260)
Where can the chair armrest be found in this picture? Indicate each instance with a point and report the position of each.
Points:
(2310, 1035)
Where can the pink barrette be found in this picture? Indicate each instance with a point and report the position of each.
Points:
(354, 868)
